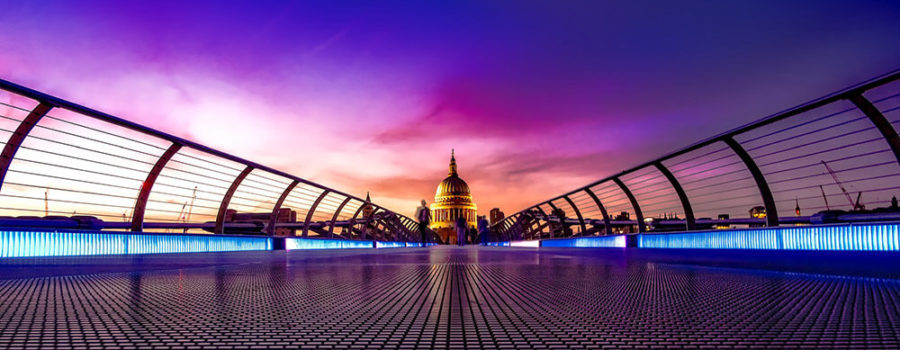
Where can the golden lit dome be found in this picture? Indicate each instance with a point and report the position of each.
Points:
(452, 185)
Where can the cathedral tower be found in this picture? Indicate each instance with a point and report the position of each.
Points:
(452, 200)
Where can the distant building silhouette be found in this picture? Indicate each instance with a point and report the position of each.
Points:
(284, 215)
(496, 216)
(721, 226)
(623, 216)
(758, 212)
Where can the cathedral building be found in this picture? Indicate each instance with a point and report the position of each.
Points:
(452, 200)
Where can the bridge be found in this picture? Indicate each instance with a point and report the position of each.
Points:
(790, 169)
(781, 233)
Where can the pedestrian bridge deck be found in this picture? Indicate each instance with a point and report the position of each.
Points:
(454, 297)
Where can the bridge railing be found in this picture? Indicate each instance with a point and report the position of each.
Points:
(833, 159)
(64, 165)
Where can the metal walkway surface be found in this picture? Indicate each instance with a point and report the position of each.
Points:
(451, 297)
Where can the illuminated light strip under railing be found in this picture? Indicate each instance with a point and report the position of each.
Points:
(312, 243)
(876, 237)
(419, 245)
(62, 243)
(586, 242)
(497, 244)
(527, 244)
(380, 244)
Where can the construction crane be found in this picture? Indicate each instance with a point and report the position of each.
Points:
(190, 208)
(855, 206)
(824, 197)
(181, 213)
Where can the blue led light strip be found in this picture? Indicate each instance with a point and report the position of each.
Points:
(379, 244)
(882, 237)
(55, 243)
(311, 243)
(587, 242)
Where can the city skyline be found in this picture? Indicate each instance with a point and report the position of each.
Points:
(402, 84)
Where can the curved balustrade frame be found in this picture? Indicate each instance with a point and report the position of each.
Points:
(388, 225)
(832, 126)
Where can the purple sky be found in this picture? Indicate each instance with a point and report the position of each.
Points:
(536, 97)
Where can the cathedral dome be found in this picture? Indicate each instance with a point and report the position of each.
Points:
(452, 186)
(452, 201)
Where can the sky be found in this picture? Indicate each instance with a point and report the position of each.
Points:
(536, 97)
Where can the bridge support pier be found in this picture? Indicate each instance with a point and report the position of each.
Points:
(278, 243)
(631, 241)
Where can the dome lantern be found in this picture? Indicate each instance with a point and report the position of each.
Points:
(452, 163)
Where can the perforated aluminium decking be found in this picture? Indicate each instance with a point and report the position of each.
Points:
(446, 297)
